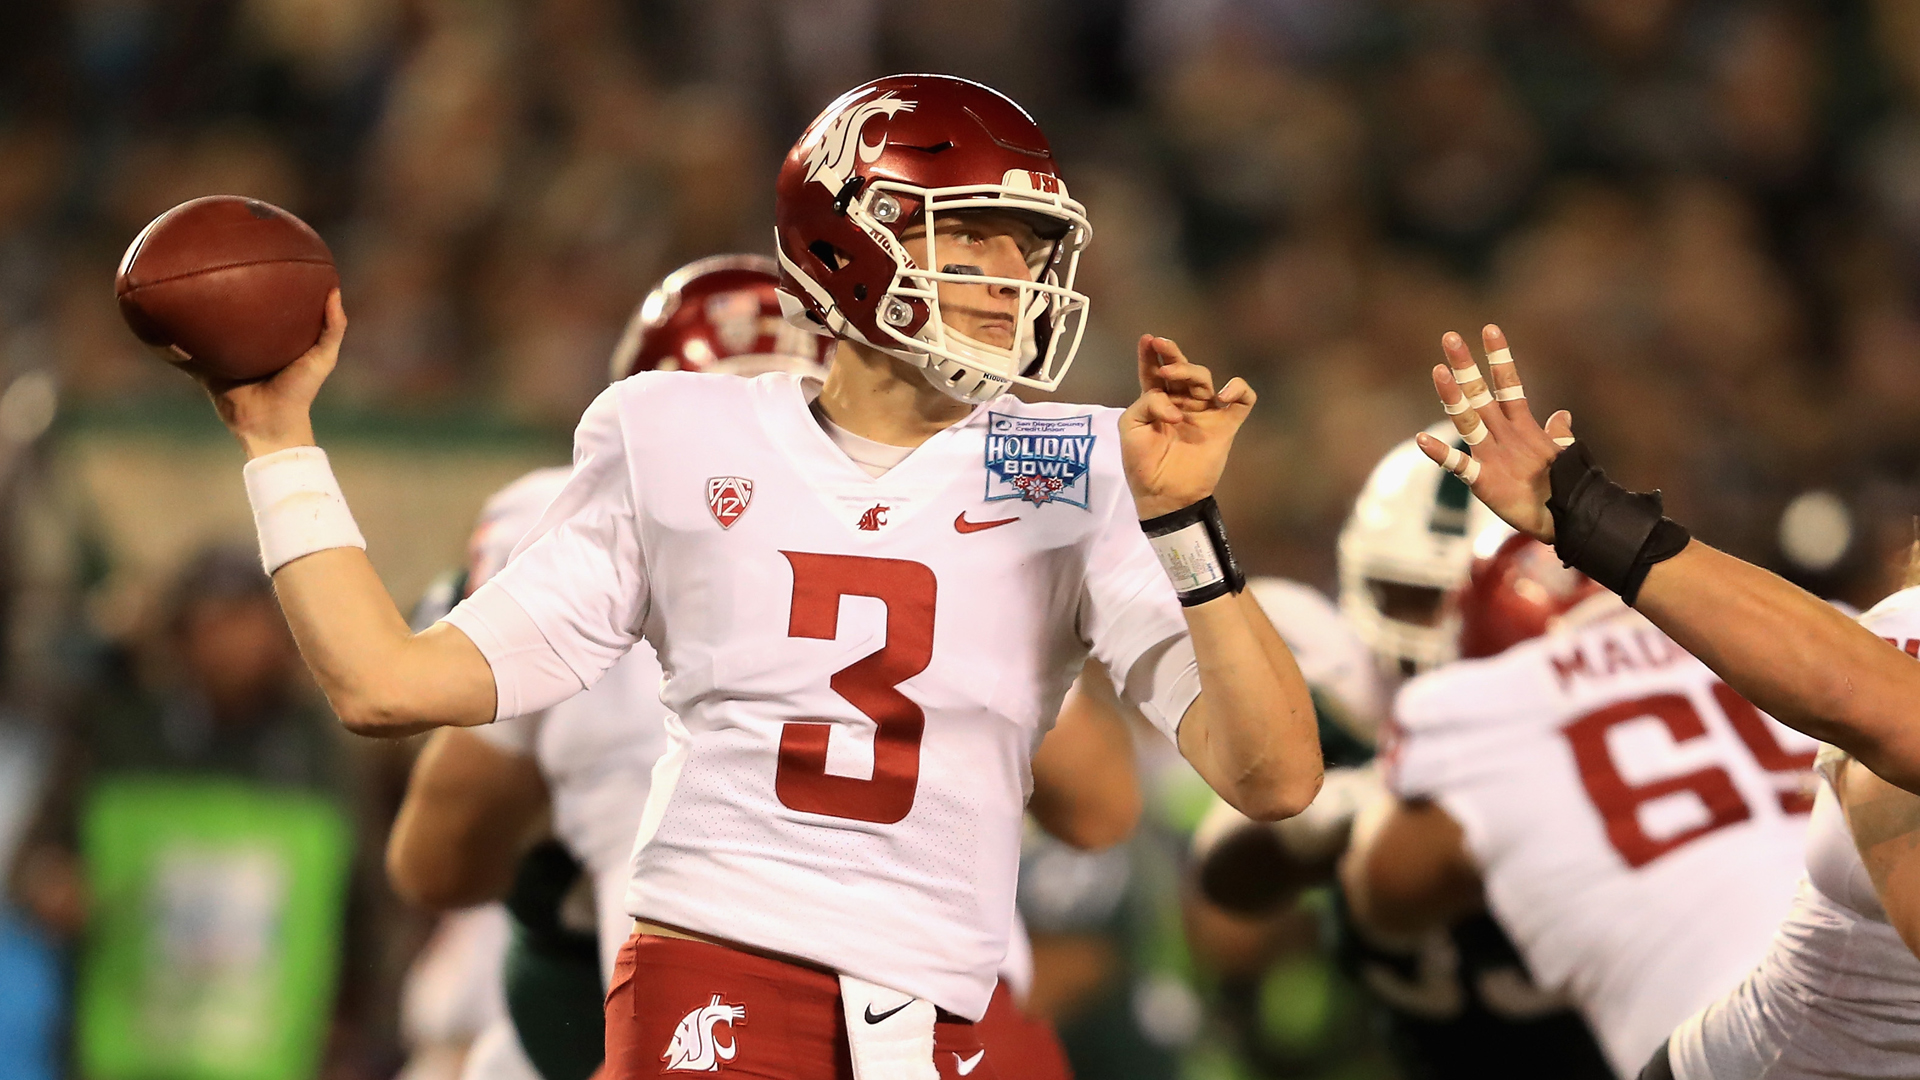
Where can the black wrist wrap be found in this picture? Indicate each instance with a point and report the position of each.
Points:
(1606, 532)
(1205, 513)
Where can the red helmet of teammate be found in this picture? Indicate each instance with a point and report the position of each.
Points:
(1517, 594)
(718, 314)
(893, 154)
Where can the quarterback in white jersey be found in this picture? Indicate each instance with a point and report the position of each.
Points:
(859, 666)
(1838, 994)
(1604, 791)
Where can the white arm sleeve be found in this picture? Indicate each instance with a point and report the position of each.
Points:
(1131, 618)
(570, 602)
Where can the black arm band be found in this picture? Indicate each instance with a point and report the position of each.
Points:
(1192, 546)
(1606, 532)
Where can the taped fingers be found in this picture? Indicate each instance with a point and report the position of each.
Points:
(1470, 382)
(1560, 429)
(1461, 464)
(1502, 373)
(1465, 420)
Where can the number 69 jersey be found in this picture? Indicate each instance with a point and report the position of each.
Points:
(860, 667)
(1640, 827)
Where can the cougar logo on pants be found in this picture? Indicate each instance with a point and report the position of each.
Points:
(695, 1046)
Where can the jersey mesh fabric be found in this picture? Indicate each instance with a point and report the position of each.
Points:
(1608, 800)
(923, 902)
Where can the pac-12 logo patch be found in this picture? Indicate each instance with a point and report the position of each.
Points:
(727, 498)
(1039, 460)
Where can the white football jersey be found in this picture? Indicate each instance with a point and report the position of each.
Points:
(1640, 827)
(857, 668)
(597, 749)
(1838, 994)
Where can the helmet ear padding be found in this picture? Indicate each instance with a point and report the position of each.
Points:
(827, 257)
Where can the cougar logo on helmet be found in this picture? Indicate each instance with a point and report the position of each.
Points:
(831, 161)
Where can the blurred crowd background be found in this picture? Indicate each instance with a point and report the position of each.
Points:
(1698, 221)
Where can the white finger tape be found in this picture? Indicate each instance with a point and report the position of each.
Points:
(1476, 436)
(1457, 407)
(1563, 441)
(1510, 393)
(1462, 465)
(1500, 356)
(1466, 375)
(297, 506)
(1480, 400)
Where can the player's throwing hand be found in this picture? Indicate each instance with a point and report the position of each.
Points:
(1174, 439)
(274, 413)
(1508, 452)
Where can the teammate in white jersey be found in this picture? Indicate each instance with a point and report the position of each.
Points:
(1635, 826)
(858, 667)
(1838, 994)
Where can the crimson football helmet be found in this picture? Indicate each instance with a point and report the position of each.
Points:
(897, 152)
(718, 314)
(1517, 593)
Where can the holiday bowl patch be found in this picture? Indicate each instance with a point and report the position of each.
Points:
(1039, 460)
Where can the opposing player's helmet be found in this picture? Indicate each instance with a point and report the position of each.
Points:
(1518, 593)
(718, 314)
(894, 153)
(1405, 552)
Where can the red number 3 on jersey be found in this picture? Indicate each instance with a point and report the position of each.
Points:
(870, 684)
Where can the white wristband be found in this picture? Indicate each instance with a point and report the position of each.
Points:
(1188, 557)
(297, 506)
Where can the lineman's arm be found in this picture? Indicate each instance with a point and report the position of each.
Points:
(1251, 733)
(1085, 792)
(380, 678)
(1885, 822)
(1408, 870)
(471, 811)
(1781, 648)
(1793, 655)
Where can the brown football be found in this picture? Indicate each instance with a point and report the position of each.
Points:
(229, 286)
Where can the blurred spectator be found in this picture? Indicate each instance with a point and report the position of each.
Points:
(200, 845)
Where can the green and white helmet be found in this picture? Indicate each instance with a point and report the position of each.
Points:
(1404, 554)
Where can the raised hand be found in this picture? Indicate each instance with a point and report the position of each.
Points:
(274, 413)
(1175, 437)
(1510, 452)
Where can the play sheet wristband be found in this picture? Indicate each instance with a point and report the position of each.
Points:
(297, 506)
(1191, 544)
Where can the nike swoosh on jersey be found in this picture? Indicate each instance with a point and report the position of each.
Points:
(872, 1019)
(967, 1065)
(961, 524)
